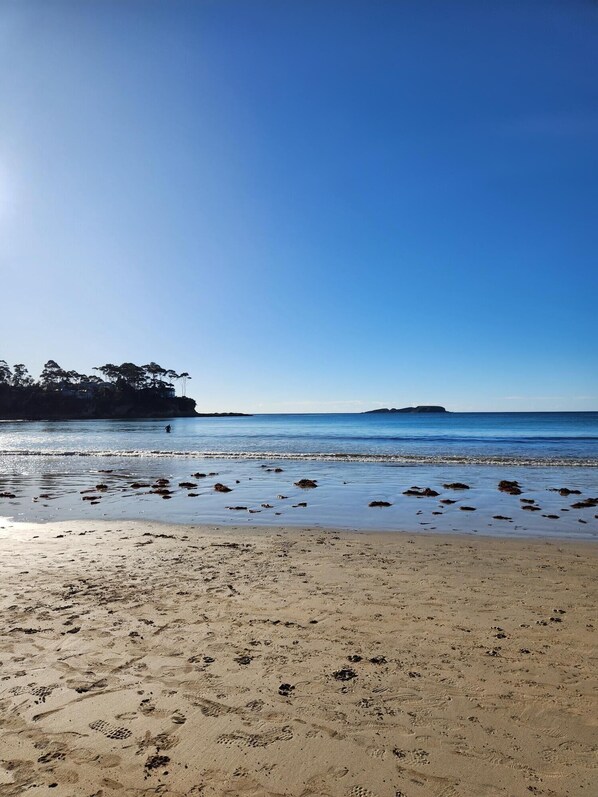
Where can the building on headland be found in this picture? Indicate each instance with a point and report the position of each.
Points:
(92, 390)
(86, 390)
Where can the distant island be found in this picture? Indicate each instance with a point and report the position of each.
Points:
(122, 391)
(421, 408)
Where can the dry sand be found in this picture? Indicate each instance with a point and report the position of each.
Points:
(142, 659)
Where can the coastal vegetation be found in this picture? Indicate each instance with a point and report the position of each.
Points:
(115, 391)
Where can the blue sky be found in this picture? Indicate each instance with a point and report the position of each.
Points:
(310, 206)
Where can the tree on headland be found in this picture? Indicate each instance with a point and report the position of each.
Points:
(131, 375)
(137, 377)
(52, 375)
(156, 374)
(183, 378)
(160, 378)
(75, 378)
(151, 376)
(125, 375)
(21, 376)
(5, 373)
(108, 371)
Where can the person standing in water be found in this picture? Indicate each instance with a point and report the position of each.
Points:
(168, 428)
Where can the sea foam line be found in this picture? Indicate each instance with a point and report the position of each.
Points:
(391, 459)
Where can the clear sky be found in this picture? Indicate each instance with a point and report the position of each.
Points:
(309, 205)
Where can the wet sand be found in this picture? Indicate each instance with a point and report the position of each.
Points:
(142, 658)
(546, 503)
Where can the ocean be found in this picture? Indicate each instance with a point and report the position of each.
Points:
(355, 458)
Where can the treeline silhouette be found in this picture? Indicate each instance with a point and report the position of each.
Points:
(115, 391)
(126, 375)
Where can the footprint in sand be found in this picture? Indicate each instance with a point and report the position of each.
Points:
(110, 731)
(321, 785)
(438, 786)
(110, 783)
(47, 758)
(360, 791)
(104, 760)
(411, 756)
(40, 692)
(147, 708)
(493, 757)
(162, 741)
(255, 739)
(127, 715)
(209, 708)
(376, 752)
(447, 791)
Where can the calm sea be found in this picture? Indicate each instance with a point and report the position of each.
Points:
(555, 438)
(355, 458)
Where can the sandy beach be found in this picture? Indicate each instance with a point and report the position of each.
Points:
(142, 658)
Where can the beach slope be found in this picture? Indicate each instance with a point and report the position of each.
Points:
(144, 659)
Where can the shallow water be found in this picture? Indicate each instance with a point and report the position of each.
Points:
(354, 458)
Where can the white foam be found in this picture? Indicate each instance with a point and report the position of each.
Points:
(341, 457)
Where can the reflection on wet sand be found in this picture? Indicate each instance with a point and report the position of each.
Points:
(384, 499)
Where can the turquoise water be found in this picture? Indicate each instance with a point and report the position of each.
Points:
(354, 458)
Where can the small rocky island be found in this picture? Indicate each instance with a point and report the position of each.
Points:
(122, 391)
(422, 408)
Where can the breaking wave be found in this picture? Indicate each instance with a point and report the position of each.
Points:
(390, 459)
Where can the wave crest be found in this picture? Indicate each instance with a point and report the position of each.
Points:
(391, 459)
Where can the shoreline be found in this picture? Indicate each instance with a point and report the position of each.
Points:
(223, 527)
(143, 657)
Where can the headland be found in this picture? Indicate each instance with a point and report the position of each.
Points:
(123, 391)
